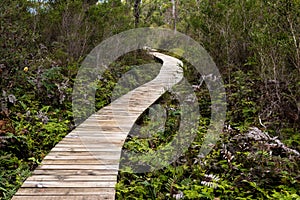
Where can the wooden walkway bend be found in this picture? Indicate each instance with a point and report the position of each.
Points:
(85, 164)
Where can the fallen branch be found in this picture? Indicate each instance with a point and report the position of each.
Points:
(271, 142)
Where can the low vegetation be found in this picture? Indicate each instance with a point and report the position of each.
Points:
(255, 45)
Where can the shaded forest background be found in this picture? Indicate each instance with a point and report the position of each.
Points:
(255, 44)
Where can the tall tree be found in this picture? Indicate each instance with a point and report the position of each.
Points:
(136, 10)
(174, 14)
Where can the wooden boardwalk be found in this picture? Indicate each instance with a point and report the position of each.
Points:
(85, 164)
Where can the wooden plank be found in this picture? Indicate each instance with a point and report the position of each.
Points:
(117, 112)
(95, 154)
(73, 184)
(92, 141)
(64, 145)
(65, 191)
(108, 128)
(97, 130)
(61, 172)
(103, 116)
(79, 161)
(92, 197)
(72, 178)
(98, 139)
(83, 166)
(113, 122)
(80, 157)
(97, 127)
(87, 148)
(113, 154)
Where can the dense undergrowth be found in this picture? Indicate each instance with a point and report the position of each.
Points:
(32, 123)
(238, 167)
(255, 45)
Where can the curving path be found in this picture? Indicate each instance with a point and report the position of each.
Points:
(85, 164)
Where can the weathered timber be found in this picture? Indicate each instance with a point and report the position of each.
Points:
(85, 164)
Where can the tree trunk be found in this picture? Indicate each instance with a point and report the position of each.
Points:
(174, 14)
(136, 13)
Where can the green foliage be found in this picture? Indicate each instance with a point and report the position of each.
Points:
(255, 44)
(36, 131)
